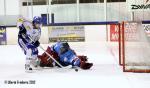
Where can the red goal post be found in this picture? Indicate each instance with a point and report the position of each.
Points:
(134, 47)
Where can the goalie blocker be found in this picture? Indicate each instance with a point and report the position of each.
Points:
(64, 55)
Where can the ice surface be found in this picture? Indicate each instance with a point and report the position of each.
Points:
(106, 73)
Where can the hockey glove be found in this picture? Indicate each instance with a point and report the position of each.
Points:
(37, 43)
(22, 30)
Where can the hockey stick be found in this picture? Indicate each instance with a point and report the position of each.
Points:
(76, 69)
(46, 52)
(51, 57)
(26, 26)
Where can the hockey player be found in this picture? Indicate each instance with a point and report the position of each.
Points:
(62, 52)
(28, 39)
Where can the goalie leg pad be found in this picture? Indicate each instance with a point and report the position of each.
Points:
(45, 60)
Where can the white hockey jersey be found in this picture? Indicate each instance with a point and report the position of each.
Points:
(27, 29)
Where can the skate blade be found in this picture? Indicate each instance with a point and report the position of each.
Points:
(29, 71)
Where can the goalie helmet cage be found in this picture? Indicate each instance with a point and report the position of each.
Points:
(134, 47)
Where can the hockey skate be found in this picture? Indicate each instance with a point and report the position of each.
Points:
(28, 68)
(32, 64)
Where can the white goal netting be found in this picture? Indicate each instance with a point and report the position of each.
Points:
(135, 47)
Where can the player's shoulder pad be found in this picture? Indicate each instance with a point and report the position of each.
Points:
(28, 25)
(20, 20)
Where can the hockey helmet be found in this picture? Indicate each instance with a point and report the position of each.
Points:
(37, 20)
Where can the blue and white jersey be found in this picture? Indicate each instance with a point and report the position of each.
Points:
(68, 57)
(57, 48)
(34, 34)
(26, 30)
(28, 38)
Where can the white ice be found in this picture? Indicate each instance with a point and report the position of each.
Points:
(106, 73)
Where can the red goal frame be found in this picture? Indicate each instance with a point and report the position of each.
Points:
(122, 51)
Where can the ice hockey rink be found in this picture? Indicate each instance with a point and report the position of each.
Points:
(106, 73)
(98, 22)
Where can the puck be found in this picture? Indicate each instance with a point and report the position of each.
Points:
(76, 70)
(30, 69)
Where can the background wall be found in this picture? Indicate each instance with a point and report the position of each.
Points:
(86, 12)
(9, 11)
(91, 12)
(93, 33)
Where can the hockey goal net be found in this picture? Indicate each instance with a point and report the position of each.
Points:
(134, 47)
